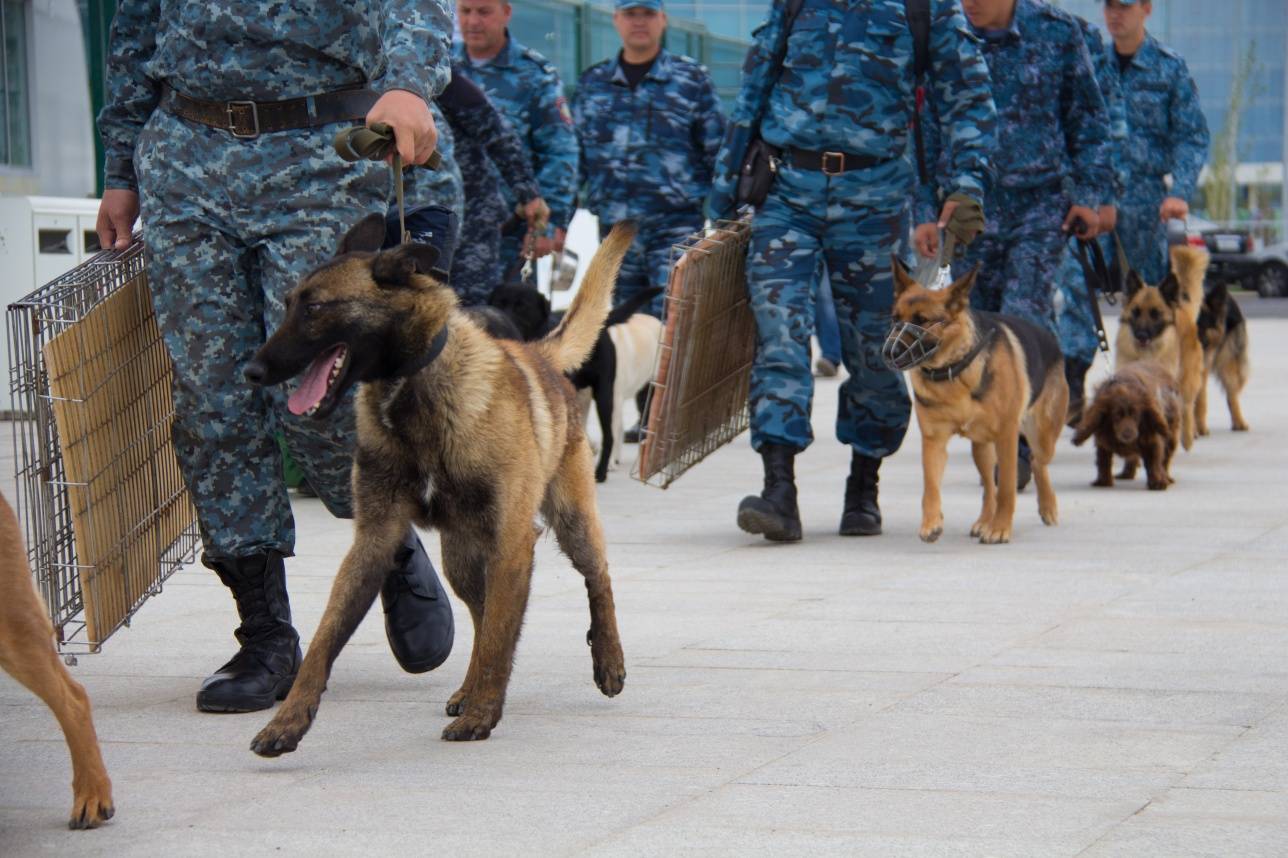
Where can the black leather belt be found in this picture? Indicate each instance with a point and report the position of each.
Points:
(249, 119)
(831, 163)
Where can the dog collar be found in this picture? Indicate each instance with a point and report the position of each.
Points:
(421, 361)
(953, 370)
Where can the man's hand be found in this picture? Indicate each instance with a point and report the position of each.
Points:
(1173, 208)
(413, 125)
(925, 238)
(534, 212)
(1090, 220)
(116, 216)
(1108, 218)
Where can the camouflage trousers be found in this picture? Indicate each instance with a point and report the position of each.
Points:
(476, 267)
(648, 260)
(1019, 254)
(851, 223)
(229, 227)
(1144, 239)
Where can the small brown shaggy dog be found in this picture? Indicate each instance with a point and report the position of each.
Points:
(1137, 415)
(1224, 335)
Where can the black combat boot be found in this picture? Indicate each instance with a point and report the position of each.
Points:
(862, 516)
(773, 512)
(418, 618)
(264, 668)
(1075, 373)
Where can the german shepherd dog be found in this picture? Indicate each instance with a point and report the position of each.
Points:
(457, 431)
(1136, 414)
(27, 654)
(1224, 335)
(988, 377)
(1159, 323)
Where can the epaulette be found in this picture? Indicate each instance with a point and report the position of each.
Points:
(1060, 15)
(602, 65)
(1170, 53)
(544, 64)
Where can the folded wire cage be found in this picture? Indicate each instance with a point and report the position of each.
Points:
(703, 377)
(106, 515)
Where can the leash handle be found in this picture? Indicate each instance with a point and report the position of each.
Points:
(375, 143)
(1094, 272)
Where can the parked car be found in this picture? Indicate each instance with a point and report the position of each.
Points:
(1271, 271)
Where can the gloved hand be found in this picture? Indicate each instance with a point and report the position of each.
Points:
(964, 225)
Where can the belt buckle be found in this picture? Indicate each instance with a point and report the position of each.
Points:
(830, 158)
(232, 122)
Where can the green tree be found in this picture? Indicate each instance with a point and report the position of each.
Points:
(1220, 192)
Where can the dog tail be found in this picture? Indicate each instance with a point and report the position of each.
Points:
(568, 345)
(1190, 265)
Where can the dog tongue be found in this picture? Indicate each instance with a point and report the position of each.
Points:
(314, 385)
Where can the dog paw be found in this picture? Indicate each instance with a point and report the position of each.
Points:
(609, 664)
(456, 703)
(468, 728)
(930, 534)
(1050, 517)
(283, 734)
(601, 476)
(91, 807)
(1239, 427)
(1103, 482)
(994, 535)
(1157, 485)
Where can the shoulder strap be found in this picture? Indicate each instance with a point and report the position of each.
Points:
(793, 8)
(918, 15)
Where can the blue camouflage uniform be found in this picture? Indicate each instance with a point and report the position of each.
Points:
(231, 224)
(647, 154)
(1074, 320)
(483, 138)
(1166, 132)
(1053, 152)
(846, 86)
(525, 87)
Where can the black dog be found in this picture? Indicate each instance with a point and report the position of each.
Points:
(526, 307)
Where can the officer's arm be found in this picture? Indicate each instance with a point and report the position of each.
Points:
(467, 107)
(579, 125)
(708, 122)
(1085, 119)
(417, 47)
(1190, 133)
(131, 95)
(1111, 91)
(554, 148)
(753, 98)
(963, 136)
(927, 197)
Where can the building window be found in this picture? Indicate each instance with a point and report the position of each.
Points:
(15, 124)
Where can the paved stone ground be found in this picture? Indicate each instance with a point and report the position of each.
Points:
(1115, 686)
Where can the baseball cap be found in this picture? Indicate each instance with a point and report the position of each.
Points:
(655, 5)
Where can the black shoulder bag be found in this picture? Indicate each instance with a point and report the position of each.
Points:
(756, 175)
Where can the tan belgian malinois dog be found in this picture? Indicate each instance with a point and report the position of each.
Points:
(27, 654)
(457, 431)
(988, 377)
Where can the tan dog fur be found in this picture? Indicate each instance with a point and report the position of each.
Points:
(476, 444)
(27, 654)
(1225, 355)
(992, 420)
(1168, 313)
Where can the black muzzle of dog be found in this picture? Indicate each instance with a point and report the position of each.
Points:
(909, 345)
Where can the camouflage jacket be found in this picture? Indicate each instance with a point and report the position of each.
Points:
(235, 49)
(1167, 132)
(1111, 91)
(648, 150)
(847, 84)
(1053, 125)
(483, 135)
(524, 86)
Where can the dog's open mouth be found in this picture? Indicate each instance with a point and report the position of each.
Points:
(321, 382)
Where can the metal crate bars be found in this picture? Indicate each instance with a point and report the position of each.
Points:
(106, 513)
(703, 377)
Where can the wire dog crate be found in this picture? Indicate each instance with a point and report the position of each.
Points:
(703, 377)
(106, 514)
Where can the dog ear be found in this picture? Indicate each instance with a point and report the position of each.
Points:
(1134, 284)
(1152, 420)
(396, 266)
(1216, 300)
(367, 235)
(1170, 289)
(902, 278)
(959, 292)
(1091, 419)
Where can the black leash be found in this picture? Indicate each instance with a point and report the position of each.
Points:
(373, 143)
(1095, 273)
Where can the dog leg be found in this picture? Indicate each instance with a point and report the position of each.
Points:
(1048, 425)
(1155, 467)
(36, 665)
(1187, 421)
(604, 409)
(1169, 450)
(985, 460)
(508, 582)
(379, 534)
(465, 566)
(1237, 423)
(456, 703)
(570, 506)
(1200, 406)
(1130, 464)
(999, 529)
(934, 459)
(1104, 468)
